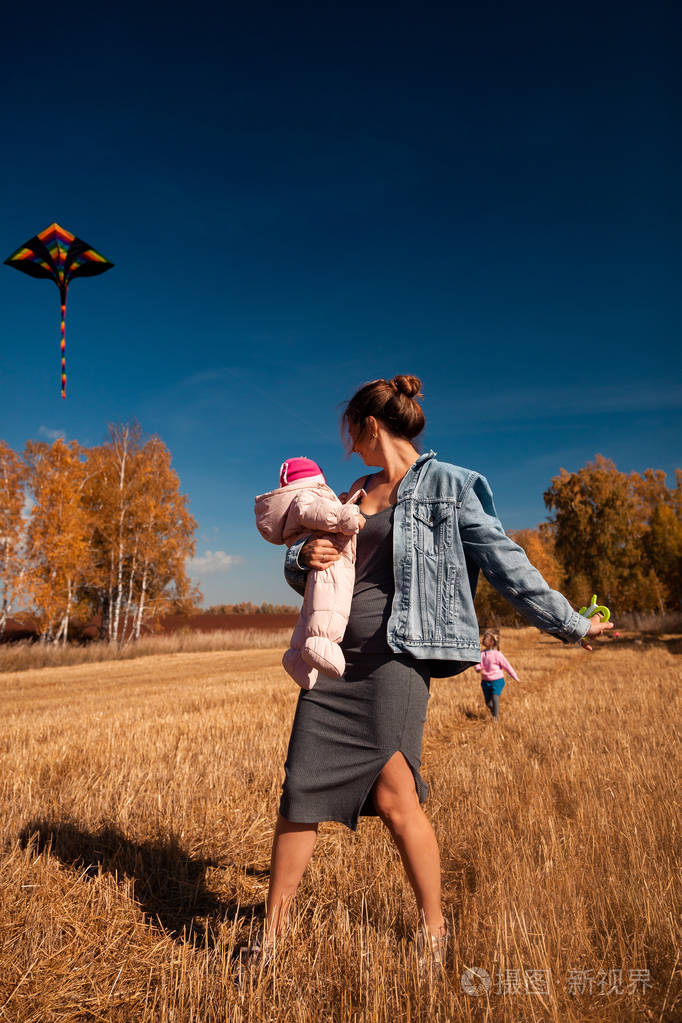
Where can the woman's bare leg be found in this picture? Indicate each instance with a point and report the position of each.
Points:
(398, 806)
(292, 848)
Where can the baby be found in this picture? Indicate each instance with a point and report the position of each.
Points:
(304, 503)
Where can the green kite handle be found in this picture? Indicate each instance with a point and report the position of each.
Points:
(595, 609)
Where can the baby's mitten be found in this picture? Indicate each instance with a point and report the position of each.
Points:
(303, 673)
(319, 652)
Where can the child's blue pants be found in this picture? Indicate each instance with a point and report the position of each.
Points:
(491, 695)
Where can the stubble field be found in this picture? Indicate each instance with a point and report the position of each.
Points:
(137, 804)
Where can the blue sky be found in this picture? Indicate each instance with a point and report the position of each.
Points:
(298, 200)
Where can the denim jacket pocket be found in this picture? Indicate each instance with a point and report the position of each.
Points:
(432, 524)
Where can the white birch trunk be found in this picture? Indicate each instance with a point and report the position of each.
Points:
(119, 580)
(67, 616)
(110, 608)
(8, 599)
(6, 595)
(140, 607)
(5, 585)
(62, 633)
(50, 629)
(129, 602)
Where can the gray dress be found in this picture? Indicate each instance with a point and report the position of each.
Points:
(345, 730)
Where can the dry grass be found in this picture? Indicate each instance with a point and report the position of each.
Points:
(26, 655)
(138, 800)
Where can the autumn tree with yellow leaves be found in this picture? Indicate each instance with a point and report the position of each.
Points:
(612, 533)
(141, 533)
(619, 535)
(58, 556)
(12, 566)
(166, 541)
(107, 534)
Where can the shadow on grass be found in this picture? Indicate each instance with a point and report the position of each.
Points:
(647, 641)
(169, 885)
(475, 715)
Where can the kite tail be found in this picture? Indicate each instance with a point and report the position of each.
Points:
(63, 342)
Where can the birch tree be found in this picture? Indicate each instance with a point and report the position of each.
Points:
(57, 548)
(111, 496)
(141, 532)
(12, 479)
(164, 539)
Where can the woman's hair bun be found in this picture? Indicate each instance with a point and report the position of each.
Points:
(407, 385)
(391, 401)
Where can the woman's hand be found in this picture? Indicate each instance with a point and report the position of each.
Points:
(597, 626)
(318, 553)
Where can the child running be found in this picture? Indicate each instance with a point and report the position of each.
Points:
(493, 663)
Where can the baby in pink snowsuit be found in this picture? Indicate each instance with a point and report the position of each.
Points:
(304, 503)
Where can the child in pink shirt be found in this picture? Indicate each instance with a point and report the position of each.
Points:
(493, 663)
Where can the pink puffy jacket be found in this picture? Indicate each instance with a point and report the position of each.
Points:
(284, 516)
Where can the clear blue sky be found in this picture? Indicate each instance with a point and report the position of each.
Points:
(301, 199)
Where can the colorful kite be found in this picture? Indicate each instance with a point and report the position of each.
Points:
(58, 254)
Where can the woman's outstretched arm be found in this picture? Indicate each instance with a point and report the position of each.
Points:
(507, 568)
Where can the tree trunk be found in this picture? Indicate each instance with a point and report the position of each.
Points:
(4, 586)
(67, 614)
(140, 607)
(129, 601)
(104, 624)
(7, 601)
(119, 579)
(6, 608)
(62, 632)
(110, 602)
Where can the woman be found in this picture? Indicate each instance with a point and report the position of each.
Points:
(355, 745)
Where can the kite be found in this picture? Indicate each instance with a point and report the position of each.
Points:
(59, 255)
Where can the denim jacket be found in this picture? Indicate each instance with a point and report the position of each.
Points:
(446, 530)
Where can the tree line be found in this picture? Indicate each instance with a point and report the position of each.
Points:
(104, 532)
(245, 607)
(615, 534)
(93, 532)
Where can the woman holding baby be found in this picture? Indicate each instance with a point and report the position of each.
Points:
(355, 749)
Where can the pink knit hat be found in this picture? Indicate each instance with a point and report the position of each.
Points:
(298, 469)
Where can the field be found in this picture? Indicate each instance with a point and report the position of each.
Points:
(137, 802)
